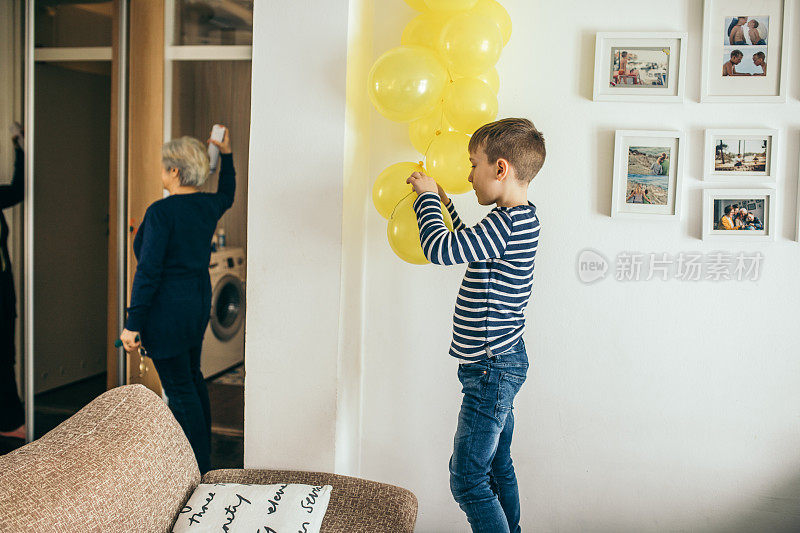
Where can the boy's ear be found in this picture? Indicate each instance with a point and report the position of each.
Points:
(502, 169)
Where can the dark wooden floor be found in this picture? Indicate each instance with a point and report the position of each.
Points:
(227, 416)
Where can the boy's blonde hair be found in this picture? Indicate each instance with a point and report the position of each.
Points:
(190, 157)
(514, 139)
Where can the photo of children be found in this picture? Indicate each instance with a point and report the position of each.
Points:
(639, 67)
(739, 214)
(747, 61)
(741, 155)
(745, 46)
(648, 175)
(746, 31)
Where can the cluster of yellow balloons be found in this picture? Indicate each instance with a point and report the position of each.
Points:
(442, 81)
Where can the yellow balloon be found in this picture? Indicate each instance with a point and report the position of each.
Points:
(493, 10)
(390, 187)
(471, 44)
(418, 5)
(492, 79)
(407, 83)
(469, 103)
(423, 130)
(449, 5)
(403, 231)
(447, 161)
(424, 30)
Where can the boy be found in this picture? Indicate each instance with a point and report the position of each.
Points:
(729, 68)
(736, 32)
(489, 315)
(760, 60)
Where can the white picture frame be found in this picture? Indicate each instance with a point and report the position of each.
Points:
(647, 147)
(711, 196)
(797, 215)
(745, 139)
(605, 88)
(768, 88)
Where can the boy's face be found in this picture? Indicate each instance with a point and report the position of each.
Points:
(757, 61)
(484, 178)
(736, 60)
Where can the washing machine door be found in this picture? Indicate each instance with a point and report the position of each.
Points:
(227, 307)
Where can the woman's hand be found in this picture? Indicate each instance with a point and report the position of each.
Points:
(18, 136)
(130, 340)
(225, 145)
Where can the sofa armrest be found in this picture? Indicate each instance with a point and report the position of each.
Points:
(356, 505)
(120, 464)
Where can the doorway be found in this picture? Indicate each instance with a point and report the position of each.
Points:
(207, 71)
(90, 109)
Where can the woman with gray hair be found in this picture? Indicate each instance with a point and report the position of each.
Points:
(171, 295)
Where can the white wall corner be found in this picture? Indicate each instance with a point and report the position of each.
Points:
(356, 187)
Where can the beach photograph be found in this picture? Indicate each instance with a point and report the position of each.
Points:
(744, 61)
(639, 67)
(648, 175)
(741, 155)
(739, 214)
(746, 31)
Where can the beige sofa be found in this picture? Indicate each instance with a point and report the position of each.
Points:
(123, 464)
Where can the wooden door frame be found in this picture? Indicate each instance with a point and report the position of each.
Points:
(145, 137)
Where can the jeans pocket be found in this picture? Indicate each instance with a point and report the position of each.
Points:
(510, 384)
(473, 377)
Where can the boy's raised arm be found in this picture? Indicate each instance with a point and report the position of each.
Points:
(486, 240)
(458, 225)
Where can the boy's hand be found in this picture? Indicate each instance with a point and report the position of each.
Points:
(442, 196)
(422, 183)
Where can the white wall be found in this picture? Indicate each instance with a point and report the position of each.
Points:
(294, 229)
(646, 407)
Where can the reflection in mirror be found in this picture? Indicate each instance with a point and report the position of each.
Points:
(12, 189)
(12, 415)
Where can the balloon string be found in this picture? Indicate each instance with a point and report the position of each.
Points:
(439, 131)
(398, 203)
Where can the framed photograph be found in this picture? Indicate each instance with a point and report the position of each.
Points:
(743, 156)
(797, 217)
(648, 166)
(739, 214)
(639, 67)
(745, 50)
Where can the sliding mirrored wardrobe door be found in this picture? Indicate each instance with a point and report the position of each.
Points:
(74, 217)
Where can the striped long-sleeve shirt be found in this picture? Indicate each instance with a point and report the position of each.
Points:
(489, 315)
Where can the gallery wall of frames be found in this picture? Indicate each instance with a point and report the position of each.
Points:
(744, 60)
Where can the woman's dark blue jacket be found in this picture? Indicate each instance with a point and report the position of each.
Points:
(171, 295)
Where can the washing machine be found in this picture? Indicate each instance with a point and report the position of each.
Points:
(223, 345)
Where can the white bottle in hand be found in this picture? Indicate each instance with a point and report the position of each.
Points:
(217, 134)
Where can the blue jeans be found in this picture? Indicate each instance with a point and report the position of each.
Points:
(187, 397)
(482, 477)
